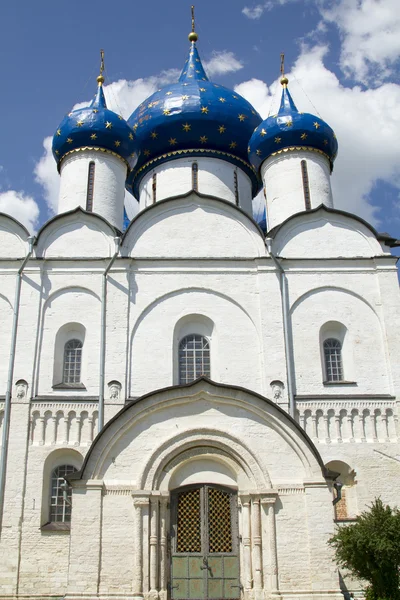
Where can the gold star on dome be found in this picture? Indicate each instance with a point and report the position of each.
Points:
(166, 111)
(253, 112)
(203, 79)
(150, 105)
(233, 145)
(197, 60)
(184, 73)
(186, 127)
(108, 124)
(203, 139)
(57, 152)
(222, 99)
(120, 118)
(289, 123)
(135, 126)
(93, 136)
(190, 76)
(235, 97)
(334, 135)
(132, 155)
(185, 97)
(197, 71)
(69, 140)
(70, 114)
(258, 152)
(168, 94)
(58, 131)
(95, 110)
(277, 140)
(263, 132)
(303, 136)
(325, 142)
(79, 123)
(248, 148)
(146, 152)
(117, 143)
(154, 135)
(202, 89)
(172, 141)
(191, 66)
(241, 118)
(222, 128)
(316, 125)
(131, 136)
(204, 110)
(185, 84)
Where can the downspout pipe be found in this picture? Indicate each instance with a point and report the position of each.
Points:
(286, 326)
(10, 376)
(117, 242)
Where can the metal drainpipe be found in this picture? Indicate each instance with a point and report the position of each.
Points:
(7, 403)
(117, 242)
(286, 325)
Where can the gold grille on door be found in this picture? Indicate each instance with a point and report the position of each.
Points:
(188, 522)
(219, 515)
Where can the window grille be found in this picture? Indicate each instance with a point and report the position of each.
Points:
(195, 176)
(61, 494)
(236, 187)
(306, 185)
(194, 358)
(333, 360)
(90, 187)
(72, 361)
(154, 187)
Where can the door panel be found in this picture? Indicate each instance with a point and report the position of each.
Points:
(204, 552)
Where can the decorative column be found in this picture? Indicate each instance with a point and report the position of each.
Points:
(326, 425)
(269, 503)
(139, 501)
(52, 432)
(350, 427)
(163, 545)
(153, 544)
(64, 430)
(256, 536)
(246, 540)
(314, 427)
(338, 429)
(40, 430)
(90, 432)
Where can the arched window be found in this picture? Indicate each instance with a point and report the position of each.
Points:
(72, 361)
(61, 494)
(194, 358)
(333, 360)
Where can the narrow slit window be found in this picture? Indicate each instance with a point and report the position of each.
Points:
(195, 176)
(154, 187)
(72, 361)
(90, 187)
(194, 358)
(306, 185)
(333, 360)
(236, 187)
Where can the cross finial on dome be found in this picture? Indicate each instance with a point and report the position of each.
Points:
(100, 79)
(284, 79)
(193, 37)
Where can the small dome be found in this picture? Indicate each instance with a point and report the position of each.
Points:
(193, 117)
(291, 130)
(96, 128)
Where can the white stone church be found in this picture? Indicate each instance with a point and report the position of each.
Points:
(190, 407)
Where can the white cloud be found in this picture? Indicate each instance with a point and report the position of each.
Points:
(46, 175)
(367, 124)
(253, 13)
(221, 63)
(20, 206)
(370, 31)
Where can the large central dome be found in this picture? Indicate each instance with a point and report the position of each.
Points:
(192, 117)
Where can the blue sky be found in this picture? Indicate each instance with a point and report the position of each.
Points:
(341, 58)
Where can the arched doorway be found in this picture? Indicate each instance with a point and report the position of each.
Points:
(204, 543)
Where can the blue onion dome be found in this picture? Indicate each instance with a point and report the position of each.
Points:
(193, 117)
(291, 130)
(95, 127)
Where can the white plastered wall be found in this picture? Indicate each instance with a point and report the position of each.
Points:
(109, 184)
(215, 177)
(283, 184)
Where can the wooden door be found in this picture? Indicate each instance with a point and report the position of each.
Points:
(204, 544)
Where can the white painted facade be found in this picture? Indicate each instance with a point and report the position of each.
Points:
(195, 264)
(283, 181)
(109, 184)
